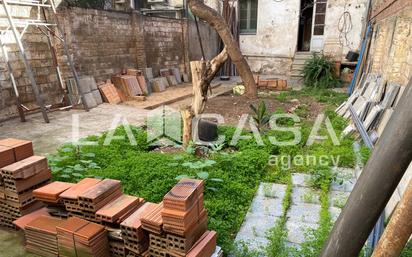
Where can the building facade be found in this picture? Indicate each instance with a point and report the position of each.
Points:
(273, 31)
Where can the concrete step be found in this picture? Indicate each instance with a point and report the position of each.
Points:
(299, 61)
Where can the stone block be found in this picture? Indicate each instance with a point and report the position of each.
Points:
(90, 101)
(97, 97)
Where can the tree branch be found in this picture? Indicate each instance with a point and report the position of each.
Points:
(215, 20)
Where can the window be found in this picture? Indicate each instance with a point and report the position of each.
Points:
(319, 26)
(248, 16)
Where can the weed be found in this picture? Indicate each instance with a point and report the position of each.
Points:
(260, 115)
(319, 72)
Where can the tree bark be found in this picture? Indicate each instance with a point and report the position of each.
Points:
(215, 20)
(203, 73)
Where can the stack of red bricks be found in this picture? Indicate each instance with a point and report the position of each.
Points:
(129, 226)
(21, 173)
(185, 221)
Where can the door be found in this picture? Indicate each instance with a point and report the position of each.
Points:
(318, 28)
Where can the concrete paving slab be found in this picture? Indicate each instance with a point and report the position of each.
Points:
(305, 195)
(47, 137)
(298, 230)
(304, 212)
(300, 179)
(338, 198)
(262, 215)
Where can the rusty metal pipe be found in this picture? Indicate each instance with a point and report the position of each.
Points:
(399, 229)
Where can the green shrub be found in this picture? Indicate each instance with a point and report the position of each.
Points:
(319, 72)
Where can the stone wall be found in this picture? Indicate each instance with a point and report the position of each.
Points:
(391, 47)
(102, 43)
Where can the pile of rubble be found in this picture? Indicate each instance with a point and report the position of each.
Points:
(94, 218)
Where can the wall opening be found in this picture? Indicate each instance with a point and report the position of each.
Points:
(305, 25)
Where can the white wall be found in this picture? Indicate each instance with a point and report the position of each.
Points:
(271, 49)
(335, 9)
(277, 29)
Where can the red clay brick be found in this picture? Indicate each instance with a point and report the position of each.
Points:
(6, 156)
(22, 148)
(81, 187)
(52, 191)
(26, 168)
(205, 246)
(112, 211)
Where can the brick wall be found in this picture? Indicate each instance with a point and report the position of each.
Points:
(40, 59)
(164, 43)
(391, 47)
(102, 43)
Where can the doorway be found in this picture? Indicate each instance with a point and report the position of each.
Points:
(305, 25)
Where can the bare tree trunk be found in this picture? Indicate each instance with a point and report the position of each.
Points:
(219, 24)
(203, 73)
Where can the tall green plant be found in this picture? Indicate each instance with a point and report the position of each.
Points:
(319, 72)
(260, 115)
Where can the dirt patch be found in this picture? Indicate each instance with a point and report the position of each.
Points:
(232, 107)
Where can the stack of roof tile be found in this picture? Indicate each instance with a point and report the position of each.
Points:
(21, 173)
(205, 246)
(65, 236)
(41, 236)
(184, 215)
(135, 238)
(99, 195)
(183, 207)
(78, 237)
(153, 221)
(50, 195)
(119, 209)
(91, 241)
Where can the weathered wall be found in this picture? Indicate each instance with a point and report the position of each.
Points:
(164, 43)
(270, 50)
(391, 47)
(39, 57)
(210, 41)
(391, 56)
(102, 43)
(337, 44)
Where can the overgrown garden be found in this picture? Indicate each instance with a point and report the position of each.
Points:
(232, 172)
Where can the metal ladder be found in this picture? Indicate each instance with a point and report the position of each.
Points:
(18, 26)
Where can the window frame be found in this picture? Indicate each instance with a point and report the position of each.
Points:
(248, 30)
